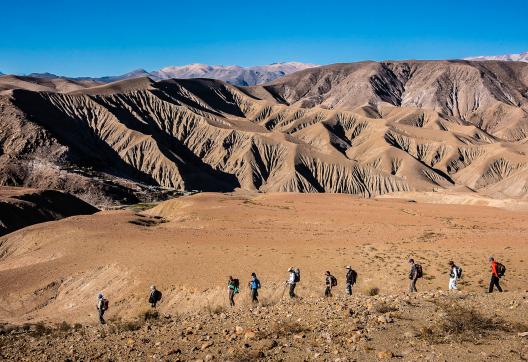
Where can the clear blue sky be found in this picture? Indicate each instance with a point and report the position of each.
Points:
(93, 37)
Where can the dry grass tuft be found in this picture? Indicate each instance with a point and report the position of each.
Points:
(462, 324)
(372, 291)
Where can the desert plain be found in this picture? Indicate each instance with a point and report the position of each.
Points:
(51, 273)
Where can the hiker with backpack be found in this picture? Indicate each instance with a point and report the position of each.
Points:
(497, 272)
(330, 282)
(455, 273)
(154, 296)
(295, 277)
(254, 286)
(102, 307)
(232, 289)
(415, 273)
(351, 277)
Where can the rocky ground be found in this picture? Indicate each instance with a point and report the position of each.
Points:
(432, 326)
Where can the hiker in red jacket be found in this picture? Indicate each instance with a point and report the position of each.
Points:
(495, 275)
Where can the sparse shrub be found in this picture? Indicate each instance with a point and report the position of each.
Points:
(77, 326)
(385, 308)
(151, 314)
(287, 328)
(463, 324)
(373, 291)
(215, 309)
(64, 326)
(40, 330)
(130, 326)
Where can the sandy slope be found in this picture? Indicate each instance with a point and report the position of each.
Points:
(188, 247)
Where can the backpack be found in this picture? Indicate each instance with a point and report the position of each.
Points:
(333, 280)
(501, 270)
(297, 277)
(236, 283)
(105, 304)
(458, 272)
(419, 271)
(351, 276)
(157, 295)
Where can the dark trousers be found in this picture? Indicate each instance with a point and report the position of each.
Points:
(254, 295)
(101, 315)
(328, 291)
(292, 290)
(349, 288)
(231, 297)
(494, 282)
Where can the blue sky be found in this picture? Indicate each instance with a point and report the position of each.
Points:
(97, 38)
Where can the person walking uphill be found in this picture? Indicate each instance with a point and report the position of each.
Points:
(415, 273)
(351, 277)
(154, 296)
(254, 286)
(232, 289)
(330, 282)
(295, 277)
(102, 307)
(497, 272)
(455, 273)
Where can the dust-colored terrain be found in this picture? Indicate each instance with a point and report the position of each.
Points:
(188, 247)
(363, 128)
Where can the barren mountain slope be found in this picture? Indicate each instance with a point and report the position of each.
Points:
(490, 94)
(369, 129)
(8, 82)
(23, 207)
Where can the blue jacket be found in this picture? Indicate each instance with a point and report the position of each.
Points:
(255, 283)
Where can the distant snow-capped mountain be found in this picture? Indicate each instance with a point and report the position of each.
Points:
(521, 57)
(234, 74)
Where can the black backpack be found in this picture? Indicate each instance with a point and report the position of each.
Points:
(501, 270)
(419, 271)
(351, 276)
(236, 283)
(155, 296)
(297, 278)
(333, 280)
(459, 272)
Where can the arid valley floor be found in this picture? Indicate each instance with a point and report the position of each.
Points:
(50, 274)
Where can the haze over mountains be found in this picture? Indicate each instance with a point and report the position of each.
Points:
(521, 57)
(364, 128)
(232, 74)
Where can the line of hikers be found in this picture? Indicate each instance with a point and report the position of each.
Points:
(233, 285)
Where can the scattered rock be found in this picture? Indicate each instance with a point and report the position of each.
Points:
(206, 345)
(385, 355)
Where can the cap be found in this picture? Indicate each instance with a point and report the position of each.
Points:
(348, 267)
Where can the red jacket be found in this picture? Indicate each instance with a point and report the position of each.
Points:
(494, 268)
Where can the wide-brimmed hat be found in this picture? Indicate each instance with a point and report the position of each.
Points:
(348, 267)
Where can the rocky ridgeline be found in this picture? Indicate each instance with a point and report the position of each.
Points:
(425, 326)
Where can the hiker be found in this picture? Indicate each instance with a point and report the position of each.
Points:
(330, 282)
(295, 277)
(154, 297)
(455, 273)
(351, 277)
(232, 289)
(254, 286)
(415, 273)
(497, 272)
(102, 307)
